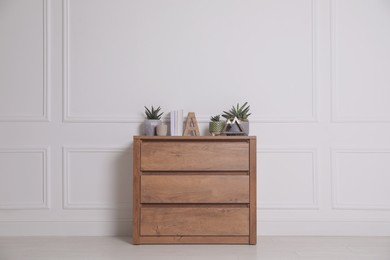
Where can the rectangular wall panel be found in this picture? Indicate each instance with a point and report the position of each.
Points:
(282, 77)
(287, 179)
(97, 178)
(23, 60)
(360, 60)
(23, 179)
(152, 49)
(361, 179)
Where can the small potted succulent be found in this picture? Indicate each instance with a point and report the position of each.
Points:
(216, 126)
(153, 117)
(241, 113)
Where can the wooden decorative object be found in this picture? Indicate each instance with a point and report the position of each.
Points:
(194, 190)
(192, 128)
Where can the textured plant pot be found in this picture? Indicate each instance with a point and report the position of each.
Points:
(216, 127)
(244, 125)
(162, 129)
(150, 126)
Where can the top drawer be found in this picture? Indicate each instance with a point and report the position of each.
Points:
(194, 156)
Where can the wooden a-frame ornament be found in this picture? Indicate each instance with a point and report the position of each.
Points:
(192, 128)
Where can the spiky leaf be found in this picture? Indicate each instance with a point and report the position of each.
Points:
(153, 113)
(241, 112)
(215, 118)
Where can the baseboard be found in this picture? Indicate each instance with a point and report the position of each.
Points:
(65, 228)
(323, 228)
(264, 228)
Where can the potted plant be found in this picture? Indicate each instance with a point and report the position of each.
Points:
(216, 126)
(240, 113)
(153, 117)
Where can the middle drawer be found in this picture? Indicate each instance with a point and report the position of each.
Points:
(194, 189)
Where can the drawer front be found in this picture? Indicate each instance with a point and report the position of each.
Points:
(195, 156)
(194, 189)
(196, 221)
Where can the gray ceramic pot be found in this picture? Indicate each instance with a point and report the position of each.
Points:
(244, 125)
(150, 126)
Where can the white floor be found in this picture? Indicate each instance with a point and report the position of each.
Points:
(102, 248)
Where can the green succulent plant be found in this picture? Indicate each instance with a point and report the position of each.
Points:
(153, 113)
(241, 112)
(216, 118)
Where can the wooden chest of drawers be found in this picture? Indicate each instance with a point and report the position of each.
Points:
(194, 190)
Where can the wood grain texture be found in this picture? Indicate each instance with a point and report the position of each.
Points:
(194, 221)
(191, 128)
(253, 192)
(196, 173)
(194, 156)
(220, 138)
(194, 189)
(136, 189)
(194, 240)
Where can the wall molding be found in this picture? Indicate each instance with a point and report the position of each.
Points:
(45, 151)
(335, 113)
(67, 116)
(45, 117)
(295, 206)
(46, 58)
(336, 204)
(67, 150)
(71, 118)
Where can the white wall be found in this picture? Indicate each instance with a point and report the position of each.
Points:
(75, 75)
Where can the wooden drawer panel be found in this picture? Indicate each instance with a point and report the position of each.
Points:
(194, 189)
(195, 156)
(196, 221)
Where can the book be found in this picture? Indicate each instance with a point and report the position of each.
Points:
(176, 123)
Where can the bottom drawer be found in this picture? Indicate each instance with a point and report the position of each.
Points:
(194, 221)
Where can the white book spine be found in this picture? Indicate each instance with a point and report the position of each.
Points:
(176, 122)
(180, 122)
(172, 123)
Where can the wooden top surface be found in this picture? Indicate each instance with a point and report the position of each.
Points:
(208, 138)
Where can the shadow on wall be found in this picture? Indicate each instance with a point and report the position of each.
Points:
(123, 192)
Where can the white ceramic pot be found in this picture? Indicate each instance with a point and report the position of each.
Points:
(162, 129)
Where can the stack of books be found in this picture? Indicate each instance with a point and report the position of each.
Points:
(177, 123)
